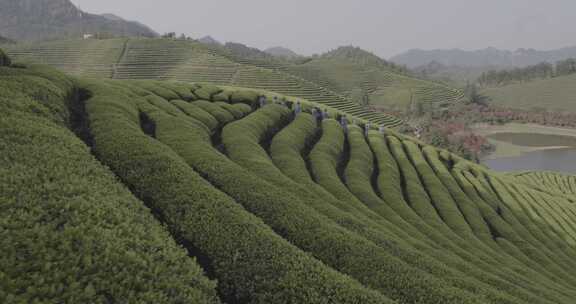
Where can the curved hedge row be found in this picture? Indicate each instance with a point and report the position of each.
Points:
(475, 219)
(222, 115)
(197, 113)
(255, 160)
(498, 225)
(289, 145)
(286, 149)
(234, 110)
(69, 231)
(467, 252)
(485, 273)
(542, 235)
(275, 207)
(240, 248)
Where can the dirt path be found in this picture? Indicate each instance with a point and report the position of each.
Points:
(120, 59)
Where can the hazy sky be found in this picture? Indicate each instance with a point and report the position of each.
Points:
(386, 27)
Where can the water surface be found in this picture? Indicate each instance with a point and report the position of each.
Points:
(559, 160)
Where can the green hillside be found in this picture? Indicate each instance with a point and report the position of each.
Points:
(181, 60)
(355, 75)
(140, 191)
(550, 181)
(340, 78)
(555, 94)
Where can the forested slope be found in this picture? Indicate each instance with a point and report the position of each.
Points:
(552, 94)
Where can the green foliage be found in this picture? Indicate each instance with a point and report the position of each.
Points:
(566, 67)
(273, 206)
(241, 248)
(244, 96)
(222, 115)
(207, 92)
(184, 91)
(474, 96)
(439, 196)
(538, 71)
(235, 111)
(466, 206)
(242, 146)
(71, 232)
(197, 113)
(159, 90)
(244, 108)
(223, 96)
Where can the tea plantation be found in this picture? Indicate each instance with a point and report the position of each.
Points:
(143, 191)
(331, 80)
(382, 87)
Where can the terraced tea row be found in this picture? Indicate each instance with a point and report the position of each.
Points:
(93, 58)
(181, 60)
(382, 87)
(272, 205)
(550, 181)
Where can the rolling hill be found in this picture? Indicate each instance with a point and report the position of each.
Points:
(33, 20)
(355, 72)
(281, 52)
(553, 94)
(142, 191)
(340, 78)
(185, 61)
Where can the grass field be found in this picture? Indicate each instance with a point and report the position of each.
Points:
(554, 94)
(140, 191)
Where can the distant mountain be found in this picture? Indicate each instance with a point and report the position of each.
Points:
(279, 51)
(33, 20)
(482, 58)
(209, 40)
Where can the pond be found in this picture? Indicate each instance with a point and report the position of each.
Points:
(559, 159)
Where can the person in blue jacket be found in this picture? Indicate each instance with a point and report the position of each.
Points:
(344, 123)
(366, 128)
(297, 108)
(325, 114)
(262, 101)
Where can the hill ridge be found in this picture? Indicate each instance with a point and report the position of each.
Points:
(487, 57)
(34, 20)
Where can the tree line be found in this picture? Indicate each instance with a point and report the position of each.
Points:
(541, 70)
